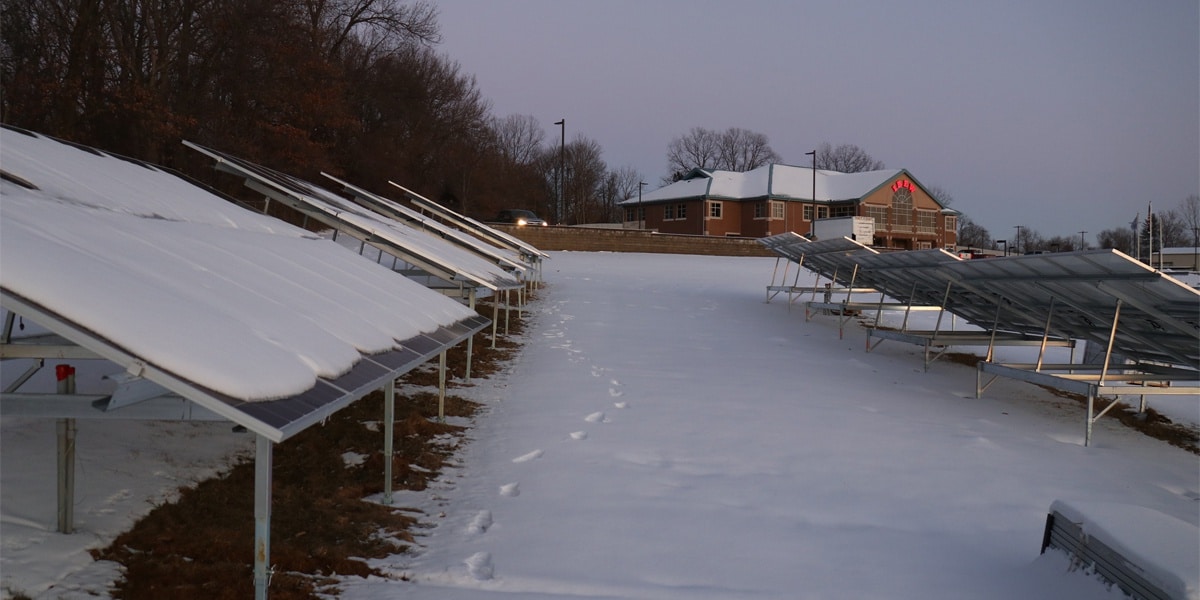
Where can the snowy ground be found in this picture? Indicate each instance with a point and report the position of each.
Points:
(665, 434)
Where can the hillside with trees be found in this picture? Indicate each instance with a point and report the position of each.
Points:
(358, 89)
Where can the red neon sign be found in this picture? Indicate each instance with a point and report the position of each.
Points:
(902, 183)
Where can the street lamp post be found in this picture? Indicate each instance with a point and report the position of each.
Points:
(1017, 250)
(813, 214)
(641, 211)
(562, 147)
(1082, 241)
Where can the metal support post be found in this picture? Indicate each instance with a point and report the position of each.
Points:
(66, 455)
(1045, 336)
(470, 340)
(1112, 335)
(507, 308)
(495, 316)
(263, 467)
(442, 387)
(389, 430)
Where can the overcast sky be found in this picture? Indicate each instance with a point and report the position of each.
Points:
(1063, 116)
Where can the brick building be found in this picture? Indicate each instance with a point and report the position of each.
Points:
(776, 198)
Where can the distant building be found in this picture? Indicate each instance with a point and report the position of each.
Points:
(1177, 259)
(776, 198)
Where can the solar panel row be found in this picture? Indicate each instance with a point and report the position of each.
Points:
(1095, 295)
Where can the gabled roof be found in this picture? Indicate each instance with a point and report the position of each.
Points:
(775, 181)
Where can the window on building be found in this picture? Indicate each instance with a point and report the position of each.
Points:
(951, 223)
(760, 210)
(926, 221)
(714, 210)
(902, 206)
(844, 209)
(808, 212)
(822, 212)
(669, 212)
(680, 211)
(777, 210)
(629, 215)
(879, 214)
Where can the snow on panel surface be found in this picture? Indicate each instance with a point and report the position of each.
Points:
(1164, 548)
(421, 222)
(246, 305)
(473, 225)
(464, 265)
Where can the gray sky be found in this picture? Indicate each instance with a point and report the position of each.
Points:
(1059, 115)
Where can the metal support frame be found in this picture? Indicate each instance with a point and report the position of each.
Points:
(774, 289)
(1090, 380)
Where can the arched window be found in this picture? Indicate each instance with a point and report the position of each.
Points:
(902, 206)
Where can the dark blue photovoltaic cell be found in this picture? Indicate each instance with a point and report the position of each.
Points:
(1075, 294)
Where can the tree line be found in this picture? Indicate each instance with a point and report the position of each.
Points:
(1145, 235)
(358, 89)
(355, 88)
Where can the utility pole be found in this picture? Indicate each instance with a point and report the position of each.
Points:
(813, 215)
(562, 161)
(1082, 241)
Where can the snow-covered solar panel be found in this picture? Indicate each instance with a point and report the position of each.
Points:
(1158, 319)
(431, 254)
(506, 259)
(471, 225)
(258, 321)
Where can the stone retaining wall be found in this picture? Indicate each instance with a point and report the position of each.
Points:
(602, 239)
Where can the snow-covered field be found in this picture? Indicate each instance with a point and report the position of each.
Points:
(665, 434)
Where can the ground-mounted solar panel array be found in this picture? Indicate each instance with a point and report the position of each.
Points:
(204, 310)
(1141, 326)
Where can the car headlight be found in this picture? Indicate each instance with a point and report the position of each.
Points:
(520, 221)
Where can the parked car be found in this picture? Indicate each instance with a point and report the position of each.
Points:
(519, 216)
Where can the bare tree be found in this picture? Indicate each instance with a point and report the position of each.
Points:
(734, 149)
(1189, 213)
(699, 149)
(518, 138)
(973, 235)
(743, 150)
(846, 158)
(583, 177)
(375, 26)
(1118, 238)
(619, 185)
(940, 194)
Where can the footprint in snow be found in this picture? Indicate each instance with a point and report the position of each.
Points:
(579, 435)
(621, 404)
(480, 566)
(511, 490)
(536, 454)
(481, 522)
(615, 393)
(596, 417)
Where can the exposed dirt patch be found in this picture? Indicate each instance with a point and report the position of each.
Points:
(1151, 423)
(202, 545)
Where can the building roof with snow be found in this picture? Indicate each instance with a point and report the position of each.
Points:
(773, 181)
